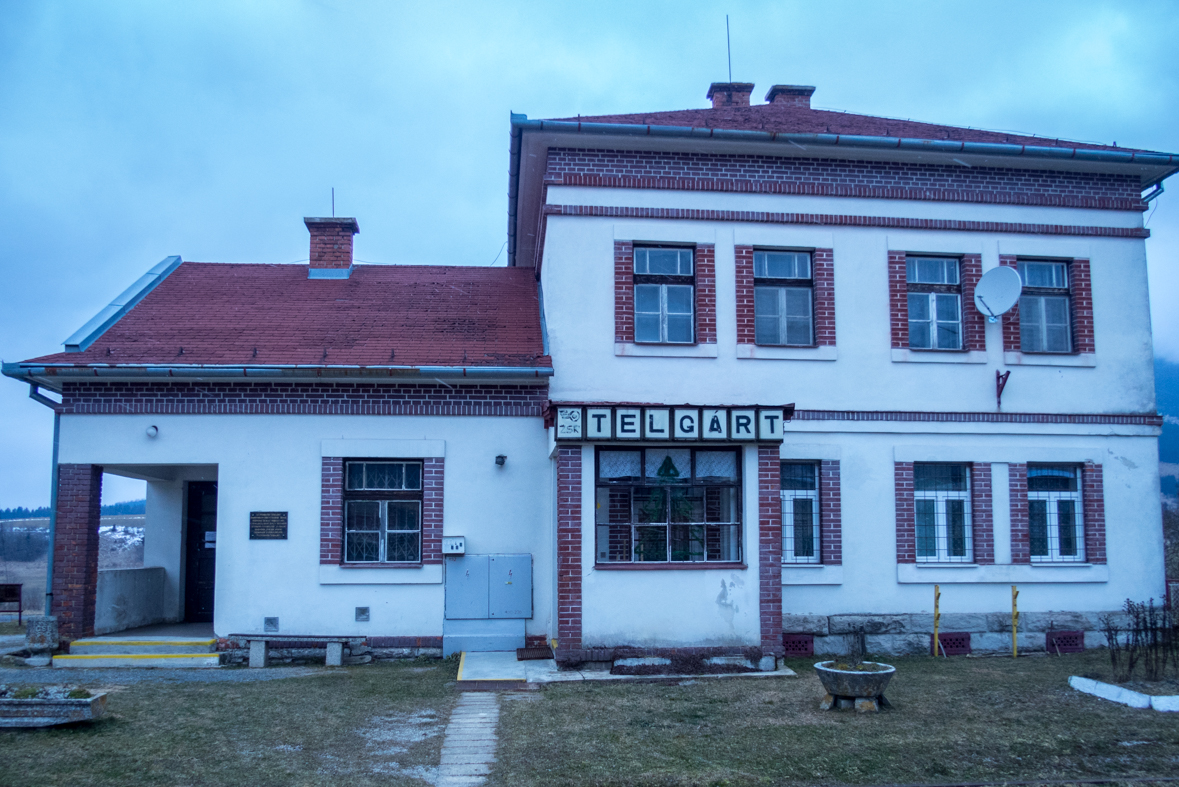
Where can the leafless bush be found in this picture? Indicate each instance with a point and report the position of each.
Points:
(1150, 639)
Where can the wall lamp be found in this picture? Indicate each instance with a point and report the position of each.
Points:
(153, 430)
(500, 459)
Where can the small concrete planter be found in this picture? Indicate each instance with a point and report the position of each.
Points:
(852, 688)
(50, 712)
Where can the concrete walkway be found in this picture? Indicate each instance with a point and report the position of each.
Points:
(468, 750)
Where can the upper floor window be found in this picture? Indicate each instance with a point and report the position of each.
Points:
(1045, 320)
(668, 505)
(783, 298)
(941, 499)
(665, 290)
(1055, 531)
(800, 512)
(383, 512)
(935, 303)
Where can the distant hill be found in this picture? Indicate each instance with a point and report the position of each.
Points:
(114, 509)
(1166, 388)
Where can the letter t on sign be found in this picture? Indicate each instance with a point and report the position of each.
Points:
(769, 424)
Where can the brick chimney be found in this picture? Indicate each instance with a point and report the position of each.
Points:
(730, 94)
(331, 247)
(790, 96)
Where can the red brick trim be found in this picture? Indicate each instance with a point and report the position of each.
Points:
(898, 299)
(992, 418)
(974, 324)
(613, 652)
(746, 324)
(769, 174)
(833, 220)
(1011, 340)
(982, 515)
(1081, 301)
(823, 273)
(569, 528)
(624, 291)
(906, 513)
(331, 511)
(249, 398)
(433, 473)
(769, 487)
(75, 549)
(1093, 502)
(705, 293)
(1021, 547)
(830, 514)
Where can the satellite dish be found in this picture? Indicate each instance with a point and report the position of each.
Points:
(997, 291)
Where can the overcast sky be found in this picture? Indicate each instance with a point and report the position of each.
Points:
(131, 131)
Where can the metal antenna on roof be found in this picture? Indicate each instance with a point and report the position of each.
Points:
(729, 47)
(333, 202)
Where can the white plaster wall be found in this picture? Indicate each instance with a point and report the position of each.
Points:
(272, 463)
(674, 607)
(579, 311)
(129, 597)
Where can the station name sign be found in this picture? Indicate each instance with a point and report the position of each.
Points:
(738, 424)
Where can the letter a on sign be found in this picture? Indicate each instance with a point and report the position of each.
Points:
(715, 424)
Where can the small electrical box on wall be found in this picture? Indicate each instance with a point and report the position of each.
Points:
(454, 545)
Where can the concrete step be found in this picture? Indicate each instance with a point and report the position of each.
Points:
(162, 646)
(482, 635)
(170, 660)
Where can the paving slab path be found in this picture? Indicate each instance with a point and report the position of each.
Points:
(468, 750)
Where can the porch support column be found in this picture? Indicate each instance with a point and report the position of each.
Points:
(569, 570)
(769, 557)
(75, 549)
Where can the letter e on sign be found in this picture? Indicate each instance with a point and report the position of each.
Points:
(569, 423)
(686, 424)
(769, 424)
(627, 424)
(715, 425)
(744, 424)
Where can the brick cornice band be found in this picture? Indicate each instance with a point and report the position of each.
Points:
(837, 220)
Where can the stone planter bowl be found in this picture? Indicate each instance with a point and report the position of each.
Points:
(49, 713)
(847, 683)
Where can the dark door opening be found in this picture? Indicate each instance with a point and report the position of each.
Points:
(201, 551)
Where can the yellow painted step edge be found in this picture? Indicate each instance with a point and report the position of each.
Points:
(462, 663)
(152, 642)
(143, 656)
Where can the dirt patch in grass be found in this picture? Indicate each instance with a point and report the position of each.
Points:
(378, 724)
(953, 720)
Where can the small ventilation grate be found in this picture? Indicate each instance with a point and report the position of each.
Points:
(270, 625)
(954, 643)
(1064, 642)
(799, 644)
(362, 614)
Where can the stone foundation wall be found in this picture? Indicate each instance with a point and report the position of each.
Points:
(909, 634)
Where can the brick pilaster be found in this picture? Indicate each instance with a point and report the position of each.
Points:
(982, 518)
(75, 549)
(331, 510)
(1021, 546)
(1011, 340)
(974, 324)
(769, 488)
(706, 294)
(569, 528)
(823, 279)
(1093, 501)
(746, 330)
(830, 514)
(624, 291)
(906, 513)
(1081, 301)
(898, 299)
(432, 482)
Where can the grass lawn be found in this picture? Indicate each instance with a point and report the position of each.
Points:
(10, 628)
(379, 724)
(953, 720)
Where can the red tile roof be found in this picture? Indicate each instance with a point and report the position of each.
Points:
(384, 315)
(800, 120)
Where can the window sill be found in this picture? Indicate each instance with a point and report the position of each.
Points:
(631, 349)
(1049, 359)
(669, 566)
(759, 352)
(1000, 574)
(901, 355)
(381, 574)
(811, 574)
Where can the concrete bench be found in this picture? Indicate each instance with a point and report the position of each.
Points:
(260, 646)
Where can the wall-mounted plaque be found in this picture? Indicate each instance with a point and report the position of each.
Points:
(268, 525)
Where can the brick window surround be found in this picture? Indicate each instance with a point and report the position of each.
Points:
(1080, 290)
(331, 512)
(1092, 506)
(704, 267)
(974, 325)
(769, 487)
(822, 280)
(830, 514)
(981, 513)
(568, 553)
(75, 549)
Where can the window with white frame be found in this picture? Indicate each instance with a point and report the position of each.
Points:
(783, 298)
(665, 295)
(800, 512)
(382, 511)
(1055, 530)
(1045, 318)
(668, 505)
(941, 500)
(935, 303)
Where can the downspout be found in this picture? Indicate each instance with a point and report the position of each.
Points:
(36, 395)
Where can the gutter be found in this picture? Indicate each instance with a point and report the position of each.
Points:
(101, 322)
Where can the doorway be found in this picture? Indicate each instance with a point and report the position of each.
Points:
(201, 551)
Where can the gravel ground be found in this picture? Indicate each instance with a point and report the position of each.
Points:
(124, 677)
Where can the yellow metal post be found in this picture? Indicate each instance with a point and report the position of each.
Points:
(937, 617)
(1014, 622)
